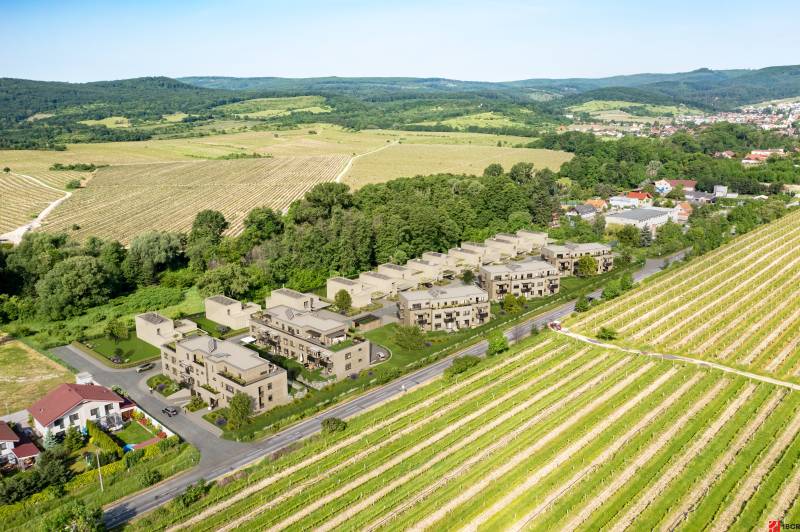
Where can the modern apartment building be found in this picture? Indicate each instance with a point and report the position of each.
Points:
(534, 240)
(488, 254)
(311, 338)
(444, 309)
(465, 259)
(566, 257)
(217, 369)
(296, 300)
(360, 293)
(158, 330)
(427, 271)
(230, 312)
(410, 276)
(529, 278)
(382, 285)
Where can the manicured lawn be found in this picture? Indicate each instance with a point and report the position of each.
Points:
(130, 350)
(133, 433)
(27, 376)
(293, 368)
(163, 385)
(206, 324)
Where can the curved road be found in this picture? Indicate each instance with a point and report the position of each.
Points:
(219, 456)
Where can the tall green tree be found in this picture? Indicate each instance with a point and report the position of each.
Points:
(240, 409)
(71, 287)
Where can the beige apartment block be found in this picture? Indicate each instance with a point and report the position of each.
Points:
(529, 278)
(230, 312)
(360, 294)
(217, 369)
(381, 285)
(408, 277)
(427, 272)
(451, 308)
(315, 341)
(488, 254)
(157, 330)
(440, 259)
(566, 257)
(465, 259)
(535, 240)
(294, 299)
(505, 245)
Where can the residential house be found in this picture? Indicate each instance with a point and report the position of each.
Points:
(230, 312)
(699, 198)
(599, 204)
(157, 330)
(623, 202)
(663, 187)
(508, 246)
(687, 184)
(450, 308)
(727, 154)
(685, 210)
(215, 370)
(565, 257)
(465, 259)
(586, 212)
(427, 271)
(720, 191)
(643, 198)
(360, 293)
(8, 439)
(313, 339)
(488, 254)
(72, 405)
(528, 278)
(407, 278)
(382, 285)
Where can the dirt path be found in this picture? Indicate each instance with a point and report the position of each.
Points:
(643, 500)
(751, 483)
(15, 236)
(211, 510)
(574, 447)
(598, 499)
(355, 458)
(306, 510)
(688, 505)
(524, 454)
(349, 164)
(607, 453)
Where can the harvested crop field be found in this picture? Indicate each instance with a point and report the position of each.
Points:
(739, 305)
(409, 160)
(125, 200)
(22, 199)
(554, 435)
(26, 376)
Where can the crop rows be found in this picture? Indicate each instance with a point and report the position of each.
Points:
(125, 200)
(740, 307)
(558, 436)
(22, 200)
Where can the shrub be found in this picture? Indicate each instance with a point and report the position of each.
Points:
(606, 333)
(149, 477)
(133, 457)
(497, 344)
(461, 364)
(73, 439)
(333, 424)
(409, 337)
(168, 443)
(103, 440)
(193, 493)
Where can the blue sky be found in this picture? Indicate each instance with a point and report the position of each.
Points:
(487, 40)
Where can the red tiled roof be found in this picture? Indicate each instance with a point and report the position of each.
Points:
(6, 434)
(26, 450)
(639, 195)
(683, 182)
(66, 397)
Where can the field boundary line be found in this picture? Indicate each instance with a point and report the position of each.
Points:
(349, 165)
(15, 235)
(681, 358)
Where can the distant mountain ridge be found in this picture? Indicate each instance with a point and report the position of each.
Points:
(706, 88)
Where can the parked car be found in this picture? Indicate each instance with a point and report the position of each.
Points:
(145, 367)
(170, 411)
(555, 325)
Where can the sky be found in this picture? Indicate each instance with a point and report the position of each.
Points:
(487, 40)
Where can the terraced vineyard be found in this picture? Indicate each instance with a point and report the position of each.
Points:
(22, 199)
(555, 435)
(124, 200)
(739, 305)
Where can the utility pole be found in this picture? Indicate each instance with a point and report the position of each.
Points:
(99, 473)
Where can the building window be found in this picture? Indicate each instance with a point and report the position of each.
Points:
(269, 386)
(3, 446)
(109, 408)
(348, 366)
(269, 398)
(347, 356)
(73, 419)
(94, 412)
(59, 423)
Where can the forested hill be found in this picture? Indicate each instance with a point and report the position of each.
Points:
(706, 88)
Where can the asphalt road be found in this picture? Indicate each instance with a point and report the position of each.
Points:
(219, 456)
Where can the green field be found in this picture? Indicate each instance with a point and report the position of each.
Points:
(554, 435)
(111, 122)
(130, 350)
(738, 305)
(26, 376)
(616, 110)
(271, 107)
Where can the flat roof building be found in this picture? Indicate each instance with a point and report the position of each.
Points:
(360, 293)
(565, 257)
(294, 299)
(156, 330)
(528, 278)
(448, 308)
(229, 312)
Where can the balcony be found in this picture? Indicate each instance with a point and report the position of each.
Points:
(232, 378)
